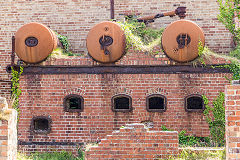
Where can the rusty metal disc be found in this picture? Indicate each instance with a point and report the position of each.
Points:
(55, 39)
(106, 42)
(34, 42)
(180, 40)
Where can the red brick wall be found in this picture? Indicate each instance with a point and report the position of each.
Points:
(232, 101)
(74, 18)
(135, 141)
(42, 95)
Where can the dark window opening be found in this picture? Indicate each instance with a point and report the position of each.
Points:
(194, 103)
(41, 125)
(73, 103)
(156, 103)
(122, 103)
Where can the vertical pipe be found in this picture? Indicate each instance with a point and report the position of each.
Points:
(13, 51)
(112, 8)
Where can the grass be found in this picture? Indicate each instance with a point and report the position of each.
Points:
(63, 155)
(185, 154)
(197, 154)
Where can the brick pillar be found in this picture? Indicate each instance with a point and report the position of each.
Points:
(232, 101)
(8, 132)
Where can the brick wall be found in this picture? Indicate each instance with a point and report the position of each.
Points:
(135, 141)
(74, 18)
(8, 133)
(232, 101)
(42, 95)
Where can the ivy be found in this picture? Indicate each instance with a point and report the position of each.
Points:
(16, 91)
(234, 67)
(215, 117)
(227, 9)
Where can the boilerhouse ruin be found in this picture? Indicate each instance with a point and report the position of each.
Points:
(104, 71)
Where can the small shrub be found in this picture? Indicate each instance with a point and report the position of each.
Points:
(190, 140)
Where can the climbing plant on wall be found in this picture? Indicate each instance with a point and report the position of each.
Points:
(215, 117)
(16, 91)
(228, 9)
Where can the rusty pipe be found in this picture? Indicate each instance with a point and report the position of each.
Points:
(13, 51)
(112, 9)
(180, 11)
(171, 14)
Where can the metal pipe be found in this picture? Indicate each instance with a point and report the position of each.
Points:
(13, 51)
(112, 8)
(180, 11)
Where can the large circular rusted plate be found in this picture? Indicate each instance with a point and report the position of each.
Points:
(34, 42)
(113, 36)
(180, 40)
(55, 39)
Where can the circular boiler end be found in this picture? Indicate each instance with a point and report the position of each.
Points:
(180, 40)
(34, 42)
(106, 42)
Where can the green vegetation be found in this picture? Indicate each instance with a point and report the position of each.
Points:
(191, 154)
(192, 141)
(64, 50)
(186, 140)
(64, 41)
(227, 9)
(215, 117)
(139, 36)
(63, 155)
(16, 91)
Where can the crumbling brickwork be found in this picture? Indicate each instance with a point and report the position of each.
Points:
(232, 102)
(8, 132)
(137, 142)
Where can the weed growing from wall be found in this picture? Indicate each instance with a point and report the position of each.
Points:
(64, 50)
(215, 117)
(139, 36)
(16, 91)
